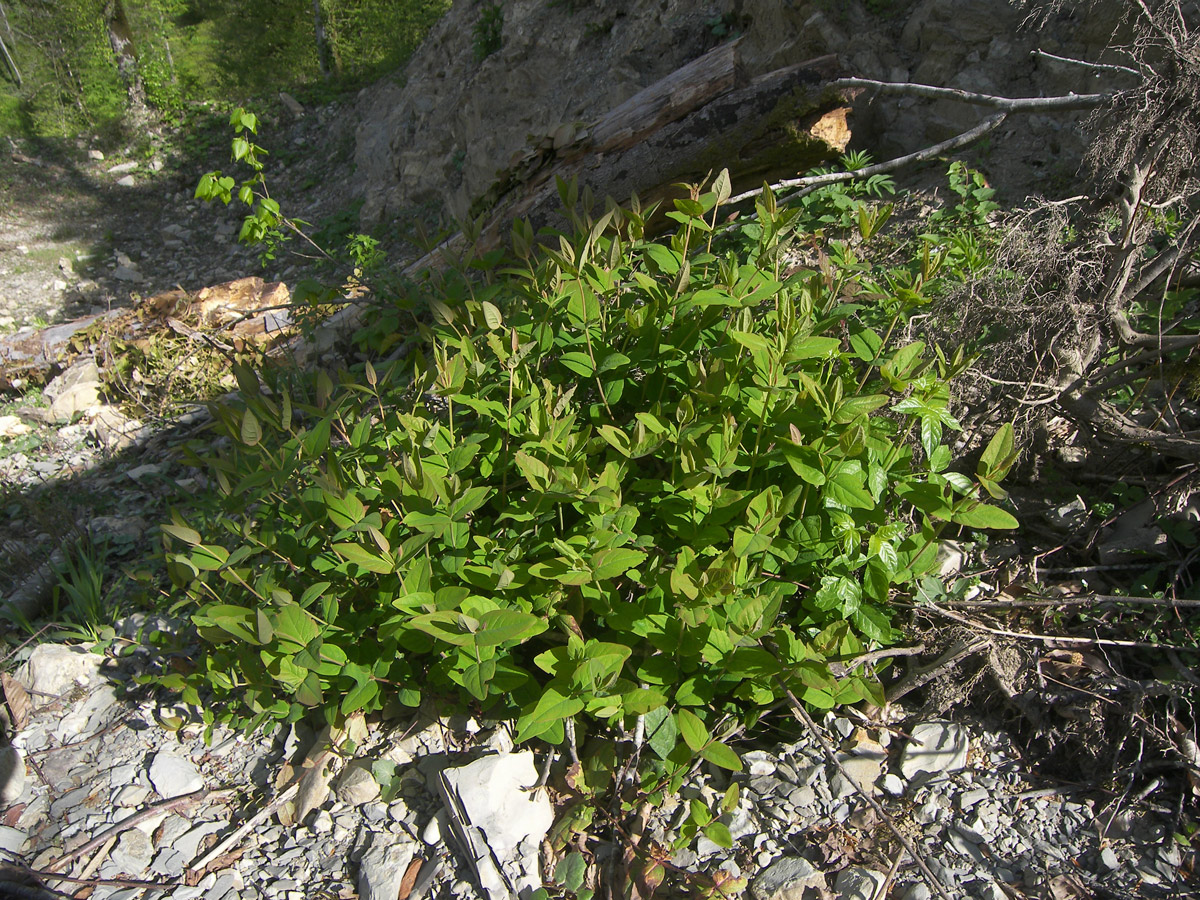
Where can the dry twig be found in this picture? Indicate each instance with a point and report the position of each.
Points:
(222, 847)
(920, 677)
(1052, 638)
(125, 824)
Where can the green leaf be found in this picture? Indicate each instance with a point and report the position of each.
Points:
(733, 794)
(380, 564)
(183, 533)
(661, 732)
(853, 407)
(722, 186)
(209, 557)
(309, 692)
(721, 755)
(616, 437)
(251, 430)
(982, 515)
(640, 701)
(570, 871)
(292, 623)
(313, 593)
(814, 347)
(999, 456)
(447, 625)
(718, 833)
(615, 561)
(663, 258)
(359, 696)
(847, 489)
(442, 313)
(477, 676)
(345, 511)
(551, 709)
(536, 472)
(491, 315)
(235, 620)
(747, 541)
(499, 626)
(692, 729)
(579, 363)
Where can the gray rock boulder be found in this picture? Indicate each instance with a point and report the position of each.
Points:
(936, 749)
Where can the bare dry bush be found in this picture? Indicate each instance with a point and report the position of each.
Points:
(1080, 302)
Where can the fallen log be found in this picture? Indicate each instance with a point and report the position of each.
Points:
(782, 123)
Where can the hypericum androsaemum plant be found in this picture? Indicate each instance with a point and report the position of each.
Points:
(619, 481)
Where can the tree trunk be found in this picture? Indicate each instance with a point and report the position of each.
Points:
(3, 47)
(120, 38)
(322, 40)
(700, 119)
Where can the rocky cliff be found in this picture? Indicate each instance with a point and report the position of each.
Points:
(438, 137)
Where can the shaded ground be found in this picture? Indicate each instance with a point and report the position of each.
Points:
(77, 237)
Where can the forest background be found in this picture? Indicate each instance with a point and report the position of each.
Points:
(70, 65)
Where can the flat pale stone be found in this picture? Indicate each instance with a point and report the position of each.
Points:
(787, 879)
(936, 748)
(173, 776)
(383, 866)
(55, 669)
(75, 399)
(12, 840)
(857, 883)
(12, 426)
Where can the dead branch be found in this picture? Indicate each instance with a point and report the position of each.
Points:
(1104, 419)
(124, 825)
(1051, 638)
(812, 182)
(1093, 600)
(841, 669)
(920, 677)
(1007, 104)
(1086, 63)
(249, 825)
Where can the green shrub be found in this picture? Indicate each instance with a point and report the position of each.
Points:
(617, 478)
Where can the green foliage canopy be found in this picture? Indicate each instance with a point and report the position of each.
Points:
(617, 477)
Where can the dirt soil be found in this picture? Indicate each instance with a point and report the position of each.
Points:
(81, 235)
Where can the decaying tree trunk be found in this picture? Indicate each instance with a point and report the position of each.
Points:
(704, 117)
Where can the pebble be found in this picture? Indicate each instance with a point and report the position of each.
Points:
(356, 785)
(133, 853)
(857, 883)
(173, 776)
(936, 749)
(431, 834)
(785, 878)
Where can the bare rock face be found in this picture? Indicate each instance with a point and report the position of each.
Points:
(443, 138)
(457, 120)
